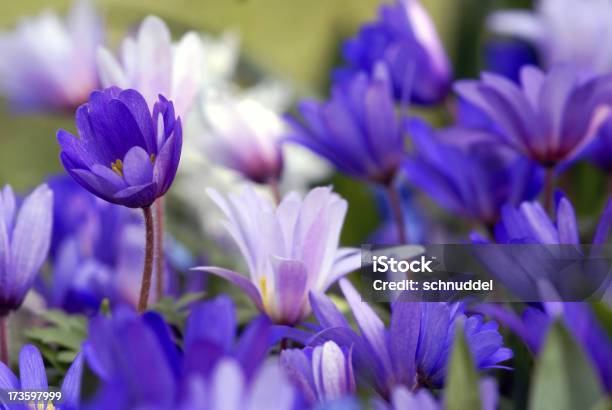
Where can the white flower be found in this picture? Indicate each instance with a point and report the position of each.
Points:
(152, 64)
(47, 63)
(563, 31)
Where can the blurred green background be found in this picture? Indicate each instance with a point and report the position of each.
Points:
(297, 40)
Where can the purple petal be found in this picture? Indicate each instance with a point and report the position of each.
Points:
(326, 311)
(137, 105)
(404, 338)
(298, 369)
(8, 380)
(566, 223)
(32, 369)
(71, 386)
(290, 278)
(214, 321)
(137, 167)
(31, 237)
(372, 328)
(237, 279)
(254, 344)
(136, 196)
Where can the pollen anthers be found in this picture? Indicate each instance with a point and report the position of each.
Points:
(117, 167)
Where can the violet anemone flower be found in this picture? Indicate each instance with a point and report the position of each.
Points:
(49, 64)
(324, 373)
(243, 135)
(357, 130)
(32, 376)
(415, 349)
(140, 366)
(290, 249)
(405, 38)
(562, 31)
(151, 64)
(473, 179)
(550, 117)
(124, 153)
(530, 224)
(25, 237)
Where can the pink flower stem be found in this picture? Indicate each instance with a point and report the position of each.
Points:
(275, 189)
(147, 272)
(398, 214)
(160, 267)
(4, 340)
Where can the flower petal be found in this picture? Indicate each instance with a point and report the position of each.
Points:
(32, 369)
(237, 279)
(137, 167)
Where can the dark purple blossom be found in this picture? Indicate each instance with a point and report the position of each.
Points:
(32, 376)
(25, 236)
(414, 350)
(405, 38)
(550, 117)
(140, 366)
(468, 173)
(124, 153)
(358, 129)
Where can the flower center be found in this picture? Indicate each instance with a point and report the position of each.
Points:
(117, 167)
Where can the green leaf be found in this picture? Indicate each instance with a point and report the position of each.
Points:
(175, 310)
(564, 378)
(462, 382)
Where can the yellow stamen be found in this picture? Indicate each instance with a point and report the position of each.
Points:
(41, 406)
(117, 167)
(264, 291)
(153, 159)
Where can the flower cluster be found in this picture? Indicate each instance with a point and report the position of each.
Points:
(120, 288)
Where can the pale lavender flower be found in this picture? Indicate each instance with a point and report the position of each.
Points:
(25, 237)
(49, 64)
(323, 373)
(153, 65)
(290, 250)
(563, 31)
(243, 135)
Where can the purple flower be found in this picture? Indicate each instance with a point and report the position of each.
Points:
(562, 31)
(244, 135)
(25, 236)
(139, 364)
(49, 64)
(124, 154)
(358, 129)
(414, 350)
(289, 250)
(405, 38)
(473, 179)
(529, 223)
(323, 373)
(507, 57)
(533, 323)
(550, 117)
(32, 376)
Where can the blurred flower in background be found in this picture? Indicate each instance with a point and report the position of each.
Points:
(49, 64)
(405, 38)
(562, 31)
(153, 65)
(25, 237)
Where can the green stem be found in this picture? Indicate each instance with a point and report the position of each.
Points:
(549, 189)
